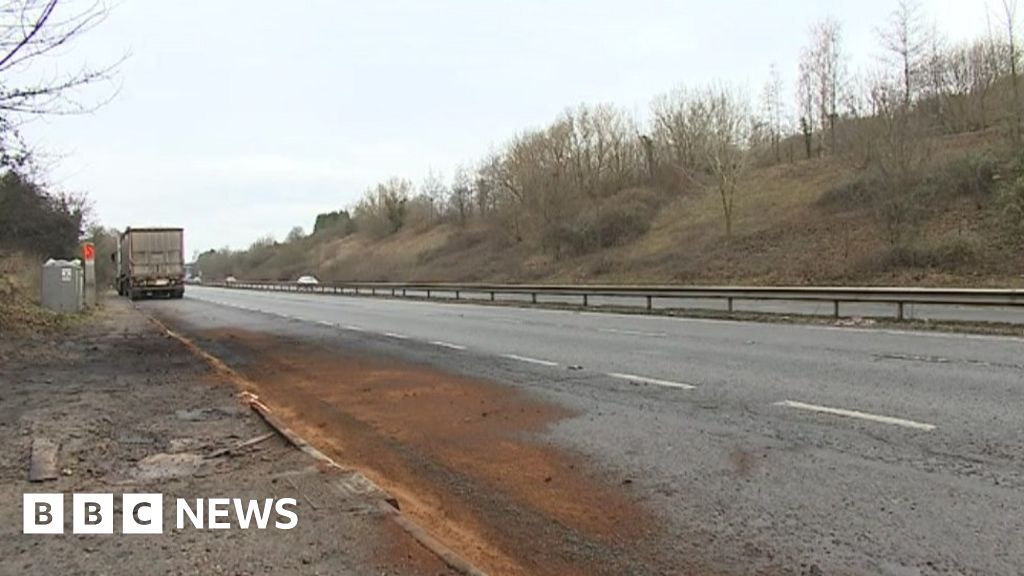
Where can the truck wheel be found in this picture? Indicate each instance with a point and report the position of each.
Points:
(178, 294)
(134, 295)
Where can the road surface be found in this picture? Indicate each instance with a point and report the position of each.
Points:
(801, 449)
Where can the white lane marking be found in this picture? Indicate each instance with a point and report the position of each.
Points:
(527, 359)
(507, 320)
(353, 328)
(447, 345)
(857, 414)
(325, 323)
(396, 335)
(632, 332)
(655, 381)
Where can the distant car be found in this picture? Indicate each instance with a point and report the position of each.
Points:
(231, 280)
(307, 280)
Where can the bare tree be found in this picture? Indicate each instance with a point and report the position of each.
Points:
(901, 154)
(771, 108)
(727, 146)
(827, 67)
(906, 39)
(805, 101)
(383, 208)
(1010, 24)
(31, 30)
(435, 193)
(680, 127)
(34, 32)
(461, 198)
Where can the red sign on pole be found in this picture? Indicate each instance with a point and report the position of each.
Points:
(89, 251)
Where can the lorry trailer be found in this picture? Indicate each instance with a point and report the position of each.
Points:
(151, 262)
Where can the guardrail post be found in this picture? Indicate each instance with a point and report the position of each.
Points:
(584, 300)
(533, 297)
(357, 290)
(835, 309)
(650, 303)
(373, 291)
(456, 294)
(403, 292)
(492, 296)
(730, 304)
(899, 311)
(428, 294)
(392, 292)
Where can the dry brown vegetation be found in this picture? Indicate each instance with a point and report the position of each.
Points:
(907, 174)
(19, 290)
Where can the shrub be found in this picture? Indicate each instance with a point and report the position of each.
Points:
(948, 253)
(618, 220)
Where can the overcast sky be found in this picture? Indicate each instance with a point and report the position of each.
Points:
(239, 119)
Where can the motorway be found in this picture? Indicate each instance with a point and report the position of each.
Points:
(792, 449)
(874, 310)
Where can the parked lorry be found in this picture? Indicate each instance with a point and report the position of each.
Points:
(151, 262)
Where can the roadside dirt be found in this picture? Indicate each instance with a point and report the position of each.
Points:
(464, 458)
(134, 411)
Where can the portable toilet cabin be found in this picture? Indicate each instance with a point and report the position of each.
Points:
(62, 286)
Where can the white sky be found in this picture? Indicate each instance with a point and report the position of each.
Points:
(238, 119)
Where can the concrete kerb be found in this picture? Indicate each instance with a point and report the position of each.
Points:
(388, 503)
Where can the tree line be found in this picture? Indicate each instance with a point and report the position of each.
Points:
(597, 175)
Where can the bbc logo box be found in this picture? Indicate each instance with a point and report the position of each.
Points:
(92, 513)
(143, 513)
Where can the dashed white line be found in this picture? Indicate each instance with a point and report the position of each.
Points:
(529, 360)
(325, 323)
(858, 414)
(353, 328)
(447, 345)
(396, 335)
(655, 381)
(507, 320)
(632, 332)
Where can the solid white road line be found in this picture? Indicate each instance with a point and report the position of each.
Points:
(447, 345)
(529, 360)
(857, 414)
(655, 381)
(396, 335)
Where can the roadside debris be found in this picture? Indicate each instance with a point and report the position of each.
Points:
(43, 463)
(240, 446)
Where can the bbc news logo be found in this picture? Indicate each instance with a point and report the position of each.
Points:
(143, 513)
